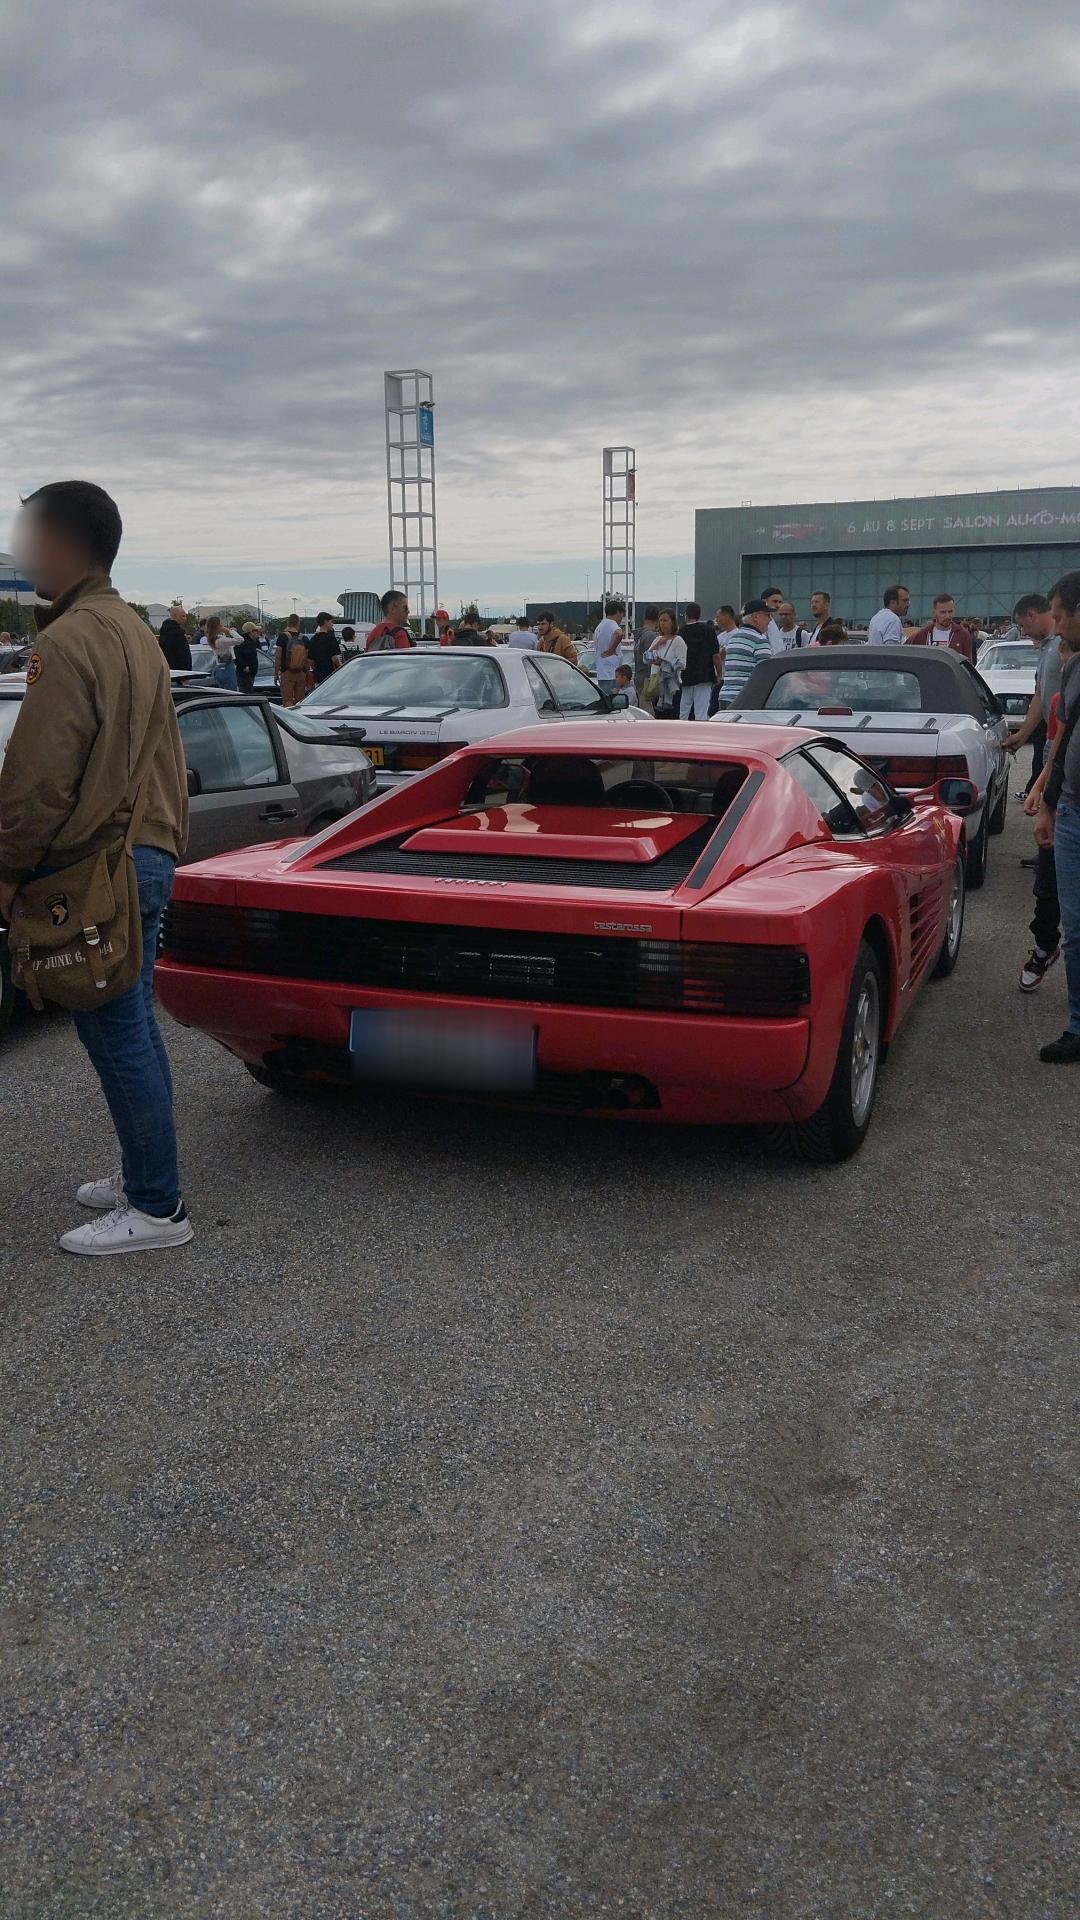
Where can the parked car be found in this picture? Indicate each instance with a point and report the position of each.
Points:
(254, 774)
(723, 924)
(917, 714)
(1008, 667)
(421, 704)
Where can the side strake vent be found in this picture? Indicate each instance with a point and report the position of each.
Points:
(492, 963)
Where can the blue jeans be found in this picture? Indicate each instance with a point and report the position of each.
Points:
(124, 1043)
(224, 675)
(1067, 862)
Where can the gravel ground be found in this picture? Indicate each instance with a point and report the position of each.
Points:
(489, 1516)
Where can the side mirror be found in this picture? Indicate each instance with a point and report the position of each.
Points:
(619, 700)
(960, 796)
(194, 783)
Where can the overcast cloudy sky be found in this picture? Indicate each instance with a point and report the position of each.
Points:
(792, 251)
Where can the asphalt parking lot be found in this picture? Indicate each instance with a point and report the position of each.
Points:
(492, 1516)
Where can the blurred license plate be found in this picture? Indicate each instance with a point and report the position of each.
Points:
(375, 755)
(430, 1050)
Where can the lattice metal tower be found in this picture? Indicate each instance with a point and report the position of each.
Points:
(410, 488)
(620, 528)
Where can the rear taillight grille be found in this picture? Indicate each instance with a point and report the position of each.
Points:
(769, 982)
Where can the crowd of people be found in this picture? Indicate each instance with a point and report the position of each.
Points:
(98, 714)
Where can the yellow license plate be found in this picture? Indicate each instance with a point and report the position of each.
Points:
(375, 755)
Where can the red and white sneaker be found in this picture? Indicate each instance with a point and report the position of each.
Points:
(126, 1230)
(1036, 967)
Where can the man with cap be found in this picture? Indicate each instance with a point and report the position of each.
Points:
(745, 649)
(246, 656)
(173, 640)
(444, 632)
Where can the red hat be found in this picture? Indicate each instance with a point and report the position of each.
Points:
(441, 613)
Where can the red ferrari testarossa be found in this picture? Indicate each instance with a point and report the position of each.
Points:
(711, 923)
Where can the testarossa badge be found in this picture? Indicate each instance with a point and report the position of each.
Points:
(33, 669)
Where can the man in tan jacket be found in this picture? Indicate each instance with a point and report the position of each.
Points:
(552, 639)
(96, 738)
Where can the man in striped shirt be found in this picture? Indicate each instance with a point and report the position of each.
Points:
(744, 650)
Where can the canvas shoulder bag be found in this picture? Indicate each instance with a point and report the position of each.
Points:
(76, 934)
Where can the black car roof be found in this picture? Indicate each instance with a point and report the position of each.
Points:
(948, 684)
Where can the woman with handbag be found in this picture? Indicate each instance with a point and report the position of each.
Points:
(666, 659)
(93, 818)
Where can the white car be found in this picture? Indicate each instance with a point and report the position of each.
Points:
(916, 714)
(1008, 667)
(419, 704)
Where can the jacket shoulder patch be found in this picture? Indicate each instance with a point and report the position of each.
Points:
(33, 668)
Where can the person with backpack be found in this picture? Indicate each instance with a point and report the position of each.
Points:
(291, 662)
(393, 630)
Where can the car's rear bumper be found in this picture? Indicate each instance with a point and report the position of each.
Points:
(694, 1068)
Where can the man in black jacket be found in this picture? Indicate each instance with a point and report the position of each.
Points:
(702, 660)
(173, 640)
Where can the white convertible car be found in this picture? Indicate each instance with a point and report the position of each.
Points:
(419, 704)
(916, 714)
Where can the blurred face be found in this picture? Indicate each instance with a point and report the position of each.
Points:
(44, 557)
(774, 601)
(1066, 624)
(758, 620)
(398, 611)
(667, 626)
(903, 601)
(944, 613)
(786, 616)
(819, 606)
(543, 628)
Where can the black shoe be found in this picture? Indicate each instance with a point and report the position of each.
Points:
(1033, 862)
(1060, 1053)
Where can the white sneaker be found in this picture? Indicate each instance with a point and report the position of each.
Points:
(126, 1230)
(102, 1195)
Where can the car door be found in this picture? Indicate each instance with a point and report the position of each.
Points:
(578, 697)
(244, 793)
(547, 707)
(996, 732)
(915, 850)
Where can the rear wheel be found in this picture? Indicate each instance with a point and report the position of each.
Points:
(842, 1121)
(954, 925)
(975, 859)
(7, 991)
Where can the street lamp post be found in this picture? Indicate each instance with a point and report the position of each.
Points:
(259, 585)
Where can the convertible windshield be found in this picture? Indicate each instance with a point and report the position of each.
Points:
(860, 689)
(412, 680)
(1007, 659)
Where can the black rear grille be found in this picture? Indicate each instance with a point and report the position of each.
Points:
(491, 963)
(654, 876)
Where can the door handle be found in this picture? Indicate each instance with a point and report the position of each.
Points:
(276, 812)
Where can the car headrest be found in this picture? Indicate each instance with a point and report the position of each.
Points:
(565, 781)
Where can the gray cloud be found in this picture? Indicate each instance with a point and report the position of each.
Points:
(793, 250)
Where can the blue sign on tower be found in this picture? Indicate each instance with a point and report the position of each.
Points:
(425, 425)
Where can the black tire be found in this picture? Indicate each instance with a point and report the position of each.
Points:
(954, 926)
(975, 858)
(1000, 815)
(842, 1121)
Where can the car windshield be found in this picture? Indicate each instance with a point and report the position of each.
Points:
(1008, 659)
(438, 679)
(861, 689)
(9, 713)
(644, 786)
